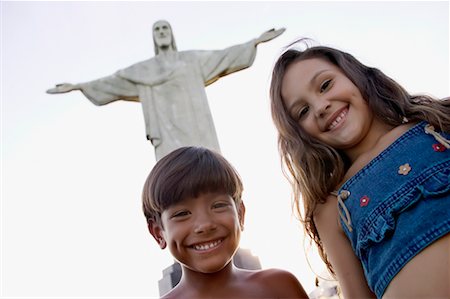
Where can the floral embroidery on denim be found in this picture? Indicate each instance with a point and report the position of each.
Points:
(404, 169)
(364, 201)
(438, 147)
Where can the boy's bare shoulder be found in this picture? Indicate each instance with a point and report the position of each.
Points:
(268, 274)
(271, 283)
(277, 283)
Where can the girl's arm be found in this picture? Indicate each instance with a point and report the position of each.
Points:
(345, 263)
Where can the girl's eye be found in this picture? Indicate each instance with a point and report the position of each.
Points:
(303, 112)
(325, 85)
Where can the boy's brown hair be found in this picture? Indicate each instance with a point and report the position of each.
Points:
(185, 173)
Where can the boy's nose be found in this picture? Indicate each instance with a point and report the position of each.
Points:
(204, 225)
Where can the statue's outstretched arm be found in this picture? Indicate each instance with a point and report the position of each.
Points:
(63, 88)
(269, 35)
(102, 91)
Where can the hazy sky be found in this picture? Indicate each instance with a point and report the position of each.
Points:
(72, 173)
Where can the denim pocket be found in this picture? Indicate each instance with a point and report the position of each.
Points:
(436, 185)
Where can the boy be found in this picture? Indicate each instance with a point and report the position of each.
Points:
(192, 202)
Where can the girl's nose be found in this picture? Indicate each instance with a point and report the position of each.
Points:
(322, 108)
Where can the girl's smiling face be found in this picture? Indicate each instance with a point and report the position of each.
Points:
(203, 233)
(326, 104)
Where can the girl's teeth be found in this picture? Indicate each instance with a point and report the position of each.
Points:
(337, 120)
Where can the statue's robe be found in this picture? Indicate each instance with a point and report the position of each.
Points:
(172, 94)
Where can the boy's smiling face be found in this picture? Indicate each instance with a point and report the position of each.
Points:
(202, 233)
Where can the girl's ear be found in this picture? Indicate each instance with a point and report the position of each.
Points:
(241, 214)
(157, 232)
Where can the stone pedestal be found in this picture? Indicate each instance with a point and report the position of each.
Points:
(245, 260)
(171, 277)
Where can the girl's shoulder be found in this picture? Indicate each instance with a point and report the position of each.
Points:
(326, 216)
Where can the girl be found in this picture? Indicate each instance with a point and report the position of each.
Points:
(371, 163)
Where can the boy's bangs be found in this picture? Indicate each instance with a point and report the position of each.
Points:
(203, 174)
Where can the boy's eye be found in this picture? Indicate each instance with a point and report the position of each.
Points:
(180, 214)
(219, 205)
(325, 85)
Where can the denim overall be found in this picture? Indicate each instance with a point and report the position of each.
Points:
(398, 204)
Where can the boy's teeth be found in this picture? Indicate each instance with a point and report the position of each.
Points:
(207, 245)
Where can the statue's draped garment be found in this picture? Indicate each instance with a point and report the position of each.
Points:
(172, 94)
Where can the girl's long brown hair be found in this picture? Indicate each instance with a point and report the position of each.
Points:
(313, 168)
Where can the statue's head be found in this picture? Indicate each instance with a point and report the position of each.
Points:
(163, 36)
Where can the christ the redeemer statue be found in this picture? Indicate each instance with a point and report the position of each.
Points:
(171, 88)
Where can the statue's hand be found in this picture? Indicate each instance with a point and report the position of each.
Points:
(62, 88)
(269, 35)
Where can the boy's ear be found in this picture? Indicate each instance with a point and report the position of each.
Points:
(157, 232)
(241, 214)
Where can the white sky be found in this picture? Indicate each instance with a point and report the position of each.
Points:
(72, 173)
